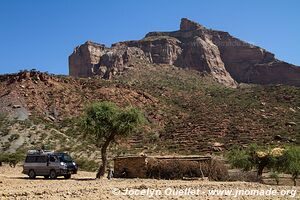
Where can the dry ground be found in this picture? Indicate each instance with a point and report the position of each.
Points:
(14, 185)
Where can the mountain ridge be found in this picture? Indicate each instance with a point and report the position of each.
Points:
(228, 59)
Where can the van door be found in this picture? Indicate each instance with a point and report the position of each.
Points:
(30, 164)
(53, 163)
(41, 168)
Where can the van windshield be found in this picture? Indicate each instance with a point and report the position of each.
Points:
(65, 158)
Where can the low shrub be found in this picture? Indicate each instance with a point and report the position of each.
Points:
(87, 165)
(217, 170)
(274, 175)
(11, 158)
(240, 158)
(13, 137)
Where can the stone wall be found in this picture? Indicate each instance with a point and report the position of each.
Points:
(130, 167)
(136, 166)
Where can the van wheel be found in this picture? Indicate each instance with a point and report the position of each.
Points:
(53, 174)
(67, 176)
(31, 174)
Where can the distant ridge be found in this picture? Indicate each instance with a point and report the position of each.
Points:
(228, 59)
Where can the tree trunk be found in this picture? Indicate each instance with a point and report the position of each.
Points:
(294, 179)
(260, 168)
(101, 170)
(260, 171)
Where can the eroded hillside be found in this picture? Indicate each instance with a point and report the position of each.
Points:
(188, 112)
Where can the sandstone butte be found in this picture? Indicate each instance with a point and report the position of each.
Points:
(227, 59)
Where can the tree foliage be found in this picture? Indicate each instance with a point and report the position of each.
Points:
(240, 159)
(249, 158)
(279, 160)
(289, 162)
(105, 122)
(104, 119)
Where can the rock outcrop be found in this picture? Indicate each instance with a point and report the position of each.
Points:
(92, 59)
(84, 58)
(226, 58)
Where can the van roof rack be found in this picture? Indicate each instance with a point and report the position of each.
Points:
(34, 151)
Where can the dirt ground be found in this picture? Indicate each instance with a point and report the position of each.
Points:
(15, 185)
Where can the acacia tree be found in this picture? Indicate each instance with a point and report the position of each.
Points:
(105, 122)
(290, 162)
(285, 160)
(251, 157)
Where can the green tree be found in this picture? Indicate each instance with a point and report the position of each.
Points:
(105, 122)
(290, 162)
(284, 160)
(249, 158)
(240, 158)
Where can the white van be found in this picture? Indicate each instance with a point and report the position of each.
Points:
(49, 164)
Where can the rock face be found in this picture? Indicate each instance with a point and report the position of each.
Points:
(92, 59)
(84, 58)
(227, 59)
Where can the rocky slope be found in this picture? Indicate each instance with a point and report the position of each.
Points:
(187, 111)
(226, 58)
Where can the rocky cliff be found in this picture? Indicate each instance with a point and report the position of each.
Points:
(227, 59)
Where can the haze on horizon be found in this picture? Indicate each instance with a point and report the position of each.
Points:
(42, 34)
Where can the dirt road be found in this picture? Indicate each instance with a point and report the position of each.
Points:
(14, 185)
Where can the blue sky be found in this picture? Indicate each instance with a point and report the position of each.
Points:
(41, 34)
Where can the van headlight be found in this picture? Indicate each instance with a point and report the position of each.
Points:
(63, 164)
(74, 163)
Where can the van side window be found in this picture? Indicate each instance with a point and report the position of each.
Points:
(41, 159)
(30, 159)
(53, 159)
